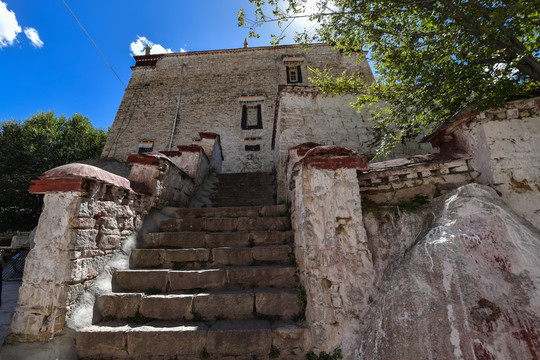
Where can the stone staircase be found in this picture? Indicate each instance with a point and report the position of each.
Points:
(213, 283)
(244, 189)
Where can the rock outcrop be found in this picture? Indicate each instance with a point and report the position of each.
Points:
(467, 287)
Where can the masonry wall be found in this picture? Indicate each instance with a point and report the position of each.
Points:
(308, 115)
(212, 83)
(505, 148)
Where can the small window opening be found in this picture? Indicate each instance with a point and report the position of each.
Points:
(251, 117)
(294, 74)
(145, 146)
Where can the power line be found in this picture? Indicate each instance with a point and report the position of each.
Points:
(100, 53)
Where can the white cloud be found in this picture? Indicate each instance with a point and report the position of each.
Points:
(9, 27)
(33, 35)
(138, 47)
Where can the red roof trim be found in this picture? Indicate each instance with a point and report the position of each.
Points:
(189, 148)
(46, 185)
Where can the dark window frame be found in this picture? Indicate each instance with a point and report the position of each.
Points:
(144, 149)
(298, 69)
(245, 125)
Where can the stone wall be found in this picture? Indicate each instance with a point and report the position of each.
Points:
(455, 277)
(213, 92)
(505, 148)
(332, 252)
(307, 115)
(78, 234)
(87, 230)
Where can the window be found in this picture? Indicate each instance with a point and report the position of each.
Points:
(145, 146)
(251, 117)
(294, 74)
(253, 147)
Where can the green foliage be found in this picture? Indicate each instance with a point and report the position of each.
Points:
(414, 203)
(335, 355)
(197, 317)
(204, 353)
(274, 352)
(432, 57)
(302, 301)
(40, 143)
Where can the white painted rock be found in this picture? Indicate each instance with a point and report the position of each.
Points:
(468, 290)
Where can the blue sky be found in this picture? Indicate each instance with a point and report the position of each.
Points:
(48, 63)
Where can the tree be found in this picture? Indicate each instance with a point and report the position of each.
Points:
(432, 57)
(42, 142)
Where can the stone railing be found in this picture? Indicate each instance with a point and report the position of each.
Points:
(327, 185)
(331, 249)
(86, 231)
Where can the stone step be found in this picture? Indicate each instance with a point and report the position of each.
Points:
(249, 175)
(248, 186)
(228, 339)
(178, 259)
(232, 201)
(240, 196)
(228, 224)
(243, 211)
(231, 305)
(217, 239)
(234, 277)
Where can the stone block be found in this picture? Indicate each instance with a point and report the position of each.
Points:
(141, 280)
(26, 325)
(82, 223)
(83, 239)
(110, 241)
(273, 253)
(231, 256)
(95, 342)
(264, 223)
(277, 302)
(291, 339)
(409, 193)
(105, 208)
(145, 258)
(262, 238)
(167, 307)
(262, 277)
(190, 224)
(226, 239)
(197, 279)
(227, 305)
(221, 224)
(273, 210)
(88, 268)
(512, 113)
(42, 297)
(85, 208)
(458, 169)
(125, 224)
(240, 337)
(118, 305)
(179, 240)
(165, 342)
(184, 255)
(124, 211)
